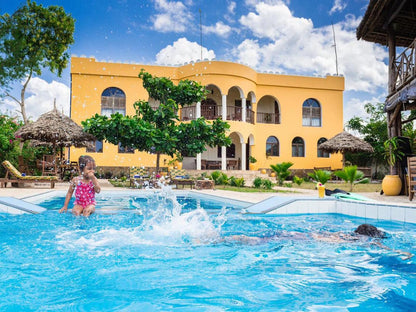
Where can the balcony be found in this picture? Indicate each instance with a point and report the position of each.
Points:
(268, 118)
(234, 113)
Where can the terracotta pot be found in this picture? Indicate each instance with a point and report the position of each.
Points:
(391, 185)
(263, 171)
(273, 174)
(253, 167)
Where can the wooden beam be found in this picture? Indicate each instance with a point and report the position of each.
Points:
(396, 112)
(396, 12)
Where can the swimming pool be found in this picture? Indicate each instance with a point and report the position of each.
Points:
(154, 253)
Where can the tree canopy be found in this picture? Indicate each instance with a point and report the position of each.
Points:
(157, 130)
(31, 39)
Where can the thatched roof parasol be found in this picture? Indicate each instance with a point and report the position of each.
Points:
(56, 129)
(345, 142)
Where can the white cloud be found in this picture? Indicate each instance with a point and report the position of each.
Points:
(183, 51)
(39, 99)
(339, 5)
(354, 107)
(295, 46)
(219, 29)
(231, 7)
(173, 16)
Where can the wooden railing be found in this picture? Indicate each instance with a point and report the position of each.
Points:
(269, 118)
(405, 67)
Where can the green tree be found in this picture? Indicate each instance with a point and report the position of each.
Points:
(157, 130)
(374, 130)
(282, 171)
(32, 39)
(351, 175)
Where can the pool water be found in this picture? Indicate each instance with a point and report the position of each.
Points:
(161, 253)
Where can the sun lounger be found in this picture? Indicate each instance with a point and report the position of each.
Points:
(11, 204)
(180, 177)
(138, 176)
(15, 176)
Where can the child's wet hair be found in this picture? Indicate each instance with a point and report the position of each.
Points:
(370, 230)
(83, 160)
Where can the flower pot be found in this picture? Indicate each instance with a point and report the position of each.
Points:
(179, 165)
(391, 185)
(253, 167)
(263, 171)
(273, 174)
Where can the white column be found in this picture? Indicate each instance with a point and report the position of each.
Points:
(198, 110)
(223, 158)
(224, 107)
(243, 156)
(244, 109)
(198, 156)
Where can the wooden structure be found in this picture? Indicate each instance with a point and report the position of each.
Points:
(411, 165)
(393, 23)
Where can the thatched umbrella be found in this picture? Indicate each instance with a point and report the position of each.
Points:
(345, 142)
(55, 129)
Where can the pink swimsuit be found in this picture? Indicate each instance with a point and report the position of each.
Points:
(84, 194)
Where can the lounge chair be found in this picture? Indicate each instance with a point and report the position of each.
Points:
(180, 177)
(138, 175)
(14, 176)
(411, 172)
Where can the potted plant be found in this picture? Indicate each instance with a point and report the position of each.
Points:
(179, 159)
(252, 161)
(391, 183)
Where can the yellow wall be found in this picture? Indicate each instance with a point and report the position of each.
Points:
(90, 78)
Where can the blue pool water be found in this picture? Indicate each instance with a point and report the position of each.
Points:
(156, 253)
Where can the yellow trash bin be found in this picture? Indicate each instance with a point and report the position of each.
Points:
(321, 191)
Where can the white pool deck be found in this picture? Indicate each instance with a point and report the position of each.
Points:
(292, 200)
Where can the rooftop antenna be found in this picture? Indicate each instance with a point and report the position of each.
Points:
(335, 48)
(200, 30)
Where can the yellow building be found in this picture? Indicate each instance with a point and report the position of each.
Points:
(273, 117)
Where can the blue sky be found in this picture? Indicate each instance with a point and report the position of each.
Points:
(284, 36)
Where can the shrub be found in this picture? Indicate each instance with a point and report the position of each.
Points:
(282, 171)
(219, 178)
(320, 176)
(257, 182)
(298, 180)
(267, 184)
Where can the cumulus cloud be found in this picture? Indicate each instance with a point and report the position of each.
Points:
(39, 99)
(295, 46)
(182, 51)
(339, 5)
(173, 16)
(220, 29)
(354, 106)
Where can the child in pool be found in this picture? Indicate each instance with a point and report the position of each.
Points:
(362, 232)
(85, 187)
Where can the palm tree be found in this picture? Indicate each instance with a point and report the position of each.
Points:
(282, 171)
(351, 175)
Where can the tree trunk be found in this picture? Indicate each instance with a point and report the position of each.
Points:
(157, 162)
(22, 99)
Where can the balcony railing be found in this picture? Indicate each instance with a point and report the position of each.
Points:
(405, 66)
(268, 118)
(213, 112)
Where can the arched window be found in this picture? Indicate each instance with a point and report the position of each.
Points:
(298, 147)
(322, 153)
(272, 146)
(311, 113)
(113, 100)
